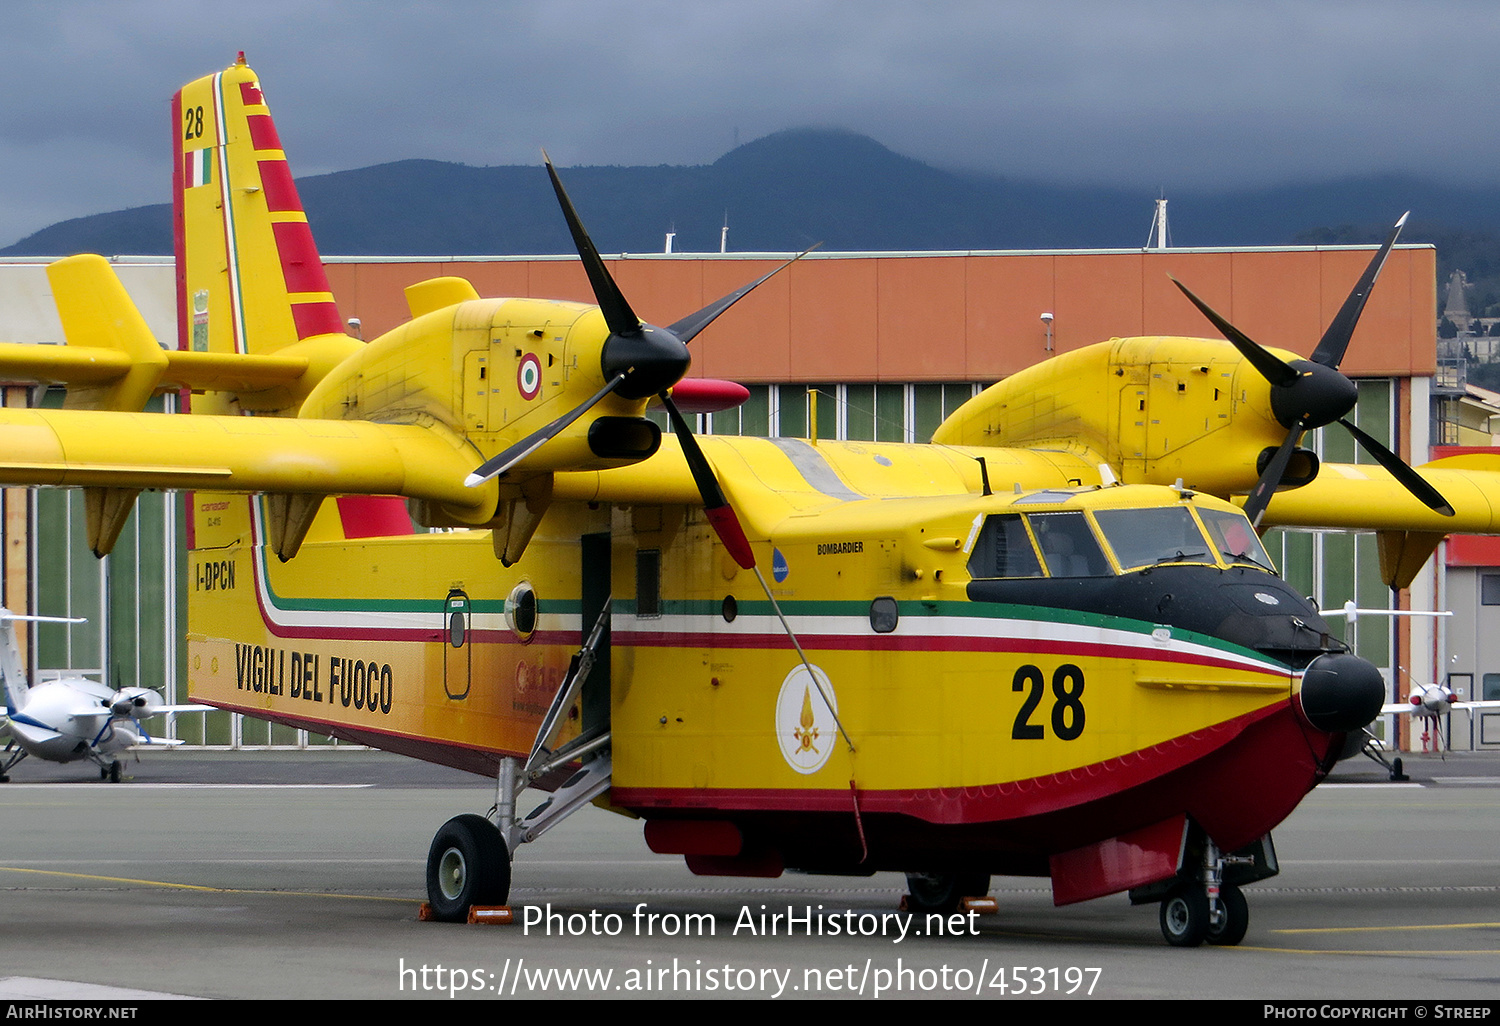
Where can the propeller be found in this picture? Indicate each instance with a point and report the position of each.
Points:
(1312, 393)
(639, 360)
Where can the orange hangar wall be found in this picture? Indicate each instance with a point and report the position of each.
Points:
(963, 316)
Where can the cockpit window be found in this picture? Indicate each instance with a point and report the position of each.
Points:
(1235, 538)
(1145, 537)
(1068, 546)
(1003, 549)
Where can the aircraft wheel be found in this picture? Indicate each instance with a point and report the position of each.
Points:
(114, 772)
(103, 772)
(466, 865)
(941, 892)
(1184, 916)
(1235, 920)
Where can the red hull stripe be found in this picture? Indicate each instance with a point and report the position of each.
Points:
(986, 803)
(444, 753)
(179, 237)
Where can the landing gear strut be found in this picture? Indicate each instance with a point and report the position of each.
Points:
(1204, 901)
(1206, 908)
(469, 861)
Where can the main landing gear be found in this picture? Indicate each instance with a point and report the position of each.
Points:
(1207, 904)
(468, 863)
(12, 755)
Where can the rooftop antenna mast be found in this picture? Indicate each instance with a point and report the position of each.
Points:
(724, 233)
(1159, 226)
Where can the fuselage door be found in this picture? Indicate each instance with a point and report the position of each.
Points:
(457, 652)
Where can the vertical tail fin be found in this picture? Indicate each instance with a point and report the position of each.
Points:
(11, 670)
(249, 278)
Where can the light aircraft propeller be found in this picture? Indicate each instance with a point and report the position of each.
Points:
(1312, 393)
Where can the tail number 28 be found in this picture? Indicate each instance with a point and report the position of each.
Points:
(1067, 702)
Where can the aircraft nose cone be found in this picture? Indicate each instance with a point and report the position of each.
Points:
(1341, 692)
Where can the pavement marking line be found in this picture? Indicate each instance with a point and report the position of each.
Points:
(168, 885)
(1389, 929)
(1462, 952)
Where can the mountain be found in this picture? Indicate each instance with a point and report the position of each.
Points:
(782, 193)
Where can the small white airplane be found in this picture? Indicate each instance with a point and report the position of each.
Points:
(1430, 702)
(73, 717)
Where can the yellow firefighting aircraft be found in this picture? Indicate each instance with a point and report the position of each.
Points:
(1040, 647)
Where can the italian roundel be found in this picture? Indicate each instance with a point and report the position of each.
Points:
(529, 376)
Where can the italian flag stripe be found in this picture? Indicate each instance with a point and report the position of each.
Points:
(197, 167)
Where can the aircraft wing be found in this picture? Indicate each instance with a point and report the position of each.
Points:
(1366, 497)
(104, 449)
(1406, 707)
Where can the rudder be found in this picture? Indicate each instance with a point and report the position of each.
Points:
(249, 278)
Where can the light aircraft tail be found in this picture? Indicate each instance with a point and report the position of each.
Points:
(11, 670)
(249, 278)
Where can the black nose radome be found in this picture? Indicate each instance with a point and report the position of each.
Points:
(1341, 692)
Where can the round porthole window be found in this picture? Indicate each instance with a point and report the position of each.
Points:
(520, 611)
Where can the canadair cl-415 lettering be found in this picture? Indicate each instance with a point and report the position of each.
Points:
(781, 653)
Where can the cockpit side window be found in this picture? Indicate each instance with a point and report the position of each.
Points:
(1003, 549)
(1068, 545)
(1145, 537)
(1235, 538)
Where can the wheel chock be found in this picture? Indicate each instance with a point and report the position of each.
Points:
(496, 915)
(980, 906)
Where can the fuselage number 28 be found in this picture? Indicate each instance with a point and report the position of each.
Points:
(1067, 702)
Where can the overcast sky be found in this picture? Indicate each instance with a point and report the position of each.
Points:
(1138, 93)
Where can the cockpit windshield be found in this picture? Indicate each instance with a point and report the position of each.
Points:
(1236, 540)
(1145, 537)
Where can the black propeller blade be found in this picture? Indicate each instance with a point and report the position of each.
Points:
(715, 506)
(1308, 394)
(500, 463)
(639, 360)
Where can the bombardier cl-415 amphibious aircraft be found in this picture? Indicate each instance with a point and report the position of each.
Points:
(1037, 647)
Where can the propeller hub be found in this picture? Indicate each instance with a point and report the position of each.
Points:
(652, 359)
(1319, 395)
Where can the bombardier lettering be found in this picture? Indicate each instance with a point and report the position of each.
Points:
(351, 683)
(840, 548)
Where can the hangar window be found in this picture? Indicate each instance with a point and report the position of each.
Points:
(1489, 590)
(1068, 545)
(1003, 549)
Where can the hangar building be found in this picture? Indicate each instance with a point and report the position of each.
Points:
(897, 341)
